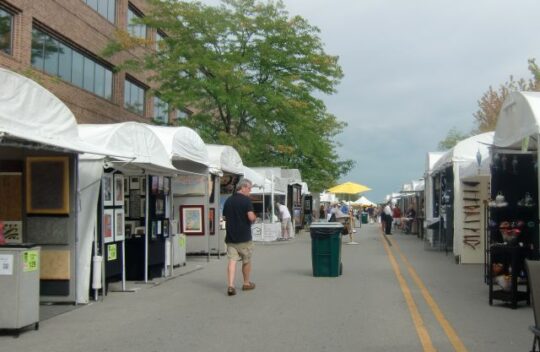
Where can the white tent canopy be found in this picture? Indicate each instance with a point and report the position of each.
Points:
(134, 138)
(466, 151)
(224, 158)
(518, 119)
(29, 112)
(292, 176)
(418, 185)
(256, 178)
(182, 144)
(364, 201)
(305, 188)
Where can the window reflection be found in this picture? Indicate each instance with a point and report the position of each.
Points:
(133, 97)
(6, 25)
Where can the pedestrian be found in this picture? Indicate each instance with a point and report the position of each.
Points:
(388, 218)
(239, 215)
(286, 223)
(322, 213)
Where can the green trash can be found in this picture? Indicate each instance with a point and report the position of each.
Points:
(326, 248)
(364, 218)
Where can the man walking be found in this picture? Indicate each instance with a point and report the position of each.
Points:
(239, 215)
(286, 223)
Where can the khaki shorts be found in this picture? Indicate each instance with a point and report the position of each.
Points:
(240, 251)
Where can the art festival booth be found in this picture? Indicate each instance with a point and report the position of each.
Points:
(192, 191)
(513, 211)
(134, 207)
(294, 196)
(267, 228)
(460, 204)
(227, 166)
(431, 202)
(39, 186)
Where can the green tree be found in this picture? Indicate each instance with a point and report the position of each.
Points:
(452, 138)
(250, 73)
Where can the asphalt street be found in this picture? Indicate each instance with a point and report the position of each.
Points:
(376, 305)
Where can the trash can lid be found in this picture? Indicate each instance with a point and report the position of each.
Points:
(326, 225)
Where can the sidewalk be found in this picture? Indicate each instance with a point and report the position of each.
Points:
(290, 310)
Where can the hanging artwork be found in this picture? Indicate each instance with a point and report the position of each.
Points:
(118, 189)
(160, 208)
(107, 188)
(108, 225)
(119, 234)
(192, 219)
(166, 229)
(47, 185)
(12, 231)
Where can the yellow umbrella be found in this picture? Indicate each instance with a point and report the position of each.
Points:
(349, 188)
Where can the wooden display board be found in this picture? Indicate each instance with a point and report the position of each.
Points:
(47, 185)
(55, 265)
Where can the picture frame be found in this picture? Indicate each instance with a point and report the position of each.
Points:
(166, 185)
(129, 228)
(47, 185)
(212, 220)
(153, 230)
(155, 184)
(107, 226)
(166, 228)
(160, 206)
(118, 190)
(134, 182)
(12, 231)
(139, 231)
(119, 225)
(192, 219)
(107, 189)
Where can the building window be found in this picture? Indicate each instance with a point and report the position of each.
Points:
(6, 29)
(106, 8)
(159, 40)
(134, 97)
(161, 110)
(183, 114)
(135, 29)
(58, 59)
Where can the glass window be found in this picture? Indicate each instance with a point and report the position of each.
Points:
(105, 8)
(38, 40)
(159, 40)
(77, 69)
(133, 97)
(182, 114)
(161, 110)
(58, 59)
(135, 29)
(6, 25)
(51, 56)
(64, 62)
(89, 74)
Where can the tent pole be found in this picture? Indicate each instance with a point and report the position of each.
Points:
(147, 226)
(206, 223)
(538, 178)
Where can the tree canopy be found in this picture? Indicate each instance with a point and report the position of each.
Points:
(452, 138)
(252, 75)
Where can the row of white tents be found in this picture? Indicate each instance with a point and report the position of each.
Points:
(38, 132)
(459, 180)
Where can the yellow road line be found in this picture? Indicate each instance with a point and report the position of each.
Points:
(421, 330)
(445, 324)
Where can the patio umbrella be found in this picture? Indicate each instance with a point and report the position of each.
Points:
(349, 188)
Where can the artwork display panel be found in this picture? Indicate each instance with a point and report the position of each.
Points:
(192, 219)
(47, 185)
(108, 225)
(107, 189)
(118, 189)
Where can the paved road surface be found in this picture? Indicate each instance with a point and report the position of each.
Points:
(290, 310)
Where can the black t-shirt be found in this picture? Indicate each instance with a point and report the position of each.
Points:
(236, 210)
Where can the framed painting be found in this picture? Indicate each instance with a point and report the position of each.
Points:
(118, 190)
(212, 220)
(192, 219)
(47, 185)
(107, 226)
(107, 188)
(119, 229)
(12, 231)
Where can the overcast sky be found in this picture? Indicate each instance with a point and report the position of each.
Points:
(413, 70)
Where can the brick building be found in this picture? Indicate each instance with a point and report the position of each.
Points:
(58, 43)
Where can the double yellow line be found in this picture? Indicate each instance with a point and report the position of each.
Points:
(421, 329)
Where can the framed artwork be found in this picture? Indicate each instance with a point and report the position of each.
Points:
(212, 220)
(192, 219)
(107, 226)
(166, 229)
(155, 184)
(12, 231)
(139, 231)
(166, 185)
(119, 234)
(160, 206)
(118, 189)
(107, 187)
(158, 227)
(126, 207)
(47, 185)
(129, 228)
(134, 182)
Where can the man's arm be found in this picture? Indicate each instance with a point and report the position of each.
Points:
(251, 216)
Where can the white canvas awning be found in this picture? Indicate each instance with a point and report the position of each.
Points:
(293, 176)
(466, 151)
(224, 158)
(30, 113)
(274, 175)
(518, 119)
(364, 201)
(133, 138)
